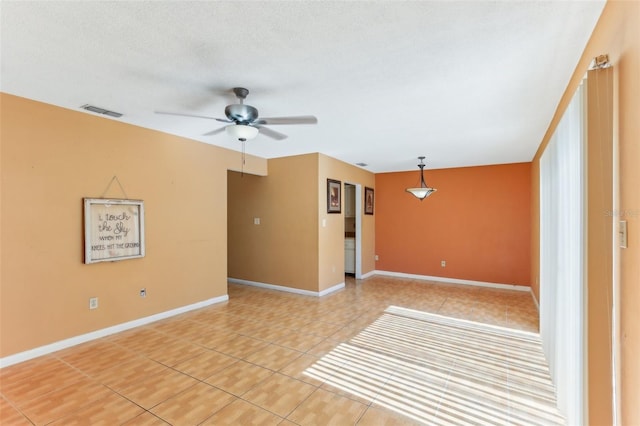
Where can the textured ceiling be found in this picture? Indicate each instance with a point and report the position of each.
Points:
(463, 83)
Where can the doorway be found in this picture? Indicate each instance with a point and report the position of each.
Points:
(353, 229)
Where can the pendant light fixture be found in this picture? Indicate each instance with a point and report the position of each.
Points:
(423, 191)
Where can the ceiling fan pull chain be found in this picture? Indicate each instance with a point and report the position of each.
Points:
(243, 159)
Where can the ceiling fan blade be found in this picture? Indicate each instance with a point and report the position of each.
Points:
(192, 115)
(301, 119)
(215, 131)
(271, 133)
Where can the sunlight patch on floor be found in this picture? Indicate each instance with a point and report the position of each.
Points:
(439, 370)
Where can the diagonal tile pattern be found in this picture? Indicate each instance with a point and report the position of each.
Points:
(372, 355)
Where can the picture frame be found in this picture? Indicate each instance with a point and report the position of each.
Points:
(113, 229)
(369, 200)
(334, 196)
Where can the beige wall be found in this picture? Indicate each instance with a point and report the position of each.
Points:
(331, 237)
(599, 253)
(52, 158)
(283, 249)
(290, 247)
(617, 34)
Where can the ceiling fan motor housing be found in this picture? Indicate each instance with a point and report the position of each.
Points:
(241, 113)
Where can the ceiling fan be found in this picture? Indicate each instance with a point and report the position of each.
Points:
(244, 123)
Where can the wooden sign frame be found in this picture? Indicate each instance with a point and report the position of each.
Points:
(113, 229)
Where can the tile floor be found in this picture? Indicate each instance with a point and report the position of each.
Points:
(268, 357)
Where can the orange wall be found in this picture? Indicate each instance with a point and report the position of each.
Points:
(618, 35)
(478, 222)
(53, 157)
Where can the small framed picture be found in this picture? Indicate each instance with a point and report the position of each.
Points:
(368, 200)
(334, 196)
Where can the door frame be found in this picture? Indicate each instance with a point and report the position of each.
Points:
(358, 216)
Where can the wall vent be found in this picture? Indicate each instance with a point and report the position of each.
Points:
(99, 110)
(362, 164)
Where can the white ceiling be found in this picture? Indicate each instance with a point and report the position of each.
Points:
(463, 83)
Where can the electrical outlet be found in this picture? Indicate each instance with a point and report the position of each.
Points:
(443, 263)
(143, 292)
(256, 221)
(377, 257)
(93, 303)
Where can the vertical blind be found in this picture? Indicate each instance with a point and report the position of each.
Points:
(562, 222)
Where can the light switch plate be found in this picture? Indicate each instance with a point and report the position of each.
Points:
(256, 221)
(622, 232)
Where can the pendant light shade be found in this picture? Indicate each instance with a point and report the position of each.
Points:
(424, 190)
(242, 132)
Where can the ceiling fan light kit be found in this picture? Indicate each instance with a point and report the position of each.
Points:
(242, 132)
(423, 191)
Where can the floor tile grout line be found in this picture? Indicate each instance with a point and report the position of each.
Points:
(15, 407)
(248, 402)
(39, 396)
(299, 404)
(236, 397)
(444, 390)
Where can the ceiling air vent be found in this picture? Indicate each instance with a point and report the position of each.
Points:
(98, 110)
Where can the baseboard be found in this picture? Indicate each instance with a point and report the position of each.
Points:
(367, 275)
(332, 289)
(76, 340)
(533, 296)
(287, 289)
(454, 281)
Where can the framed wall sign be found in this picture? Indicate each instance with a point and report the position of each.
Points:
(334, 196)
(368, 200)
(113, 229)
